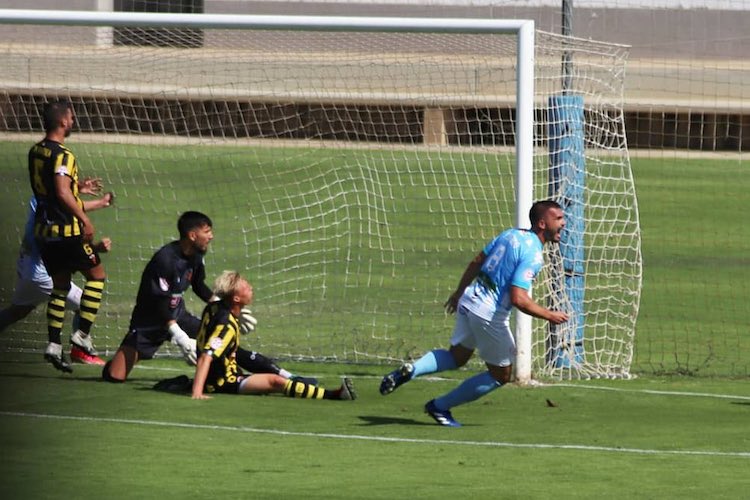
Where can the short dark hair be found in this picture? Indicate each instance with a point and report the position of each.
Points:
(53, 112)
(191, 220)
(540, 208)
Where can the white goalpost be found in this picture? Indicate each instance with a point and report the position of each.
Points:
(352, 166)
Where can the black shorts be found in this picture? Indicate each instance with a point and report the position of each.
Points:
(226, 388)
(147, 339)
(68, 254)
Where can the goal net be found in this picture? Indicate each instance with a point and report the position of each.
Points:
(350, 176)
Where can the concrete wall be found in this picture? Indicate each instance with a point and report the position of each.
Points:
(687, 83)
(652, 33)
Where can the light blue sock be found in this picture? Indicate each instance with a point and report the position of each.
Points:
(469, 390)
(434, 361)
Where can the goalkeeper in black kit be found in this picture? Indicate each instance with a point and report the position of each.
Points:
(160, 314)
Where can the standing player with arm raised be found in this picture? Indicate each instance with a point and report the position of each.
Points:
(496, 280)
(160, 313)
(64, 233)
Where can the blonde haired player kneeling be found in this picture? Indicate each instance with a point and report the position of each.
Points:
(217, 343)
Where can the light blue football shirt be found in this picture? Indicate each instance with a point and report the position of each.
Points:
(513, 258)
(30, 266)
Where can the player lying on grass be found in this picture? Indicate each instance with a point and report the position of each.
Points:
(160, 313)
(34, 284)
(218, 340)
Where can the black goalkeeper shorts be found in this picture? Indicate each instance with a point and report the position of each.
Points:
(147, 339)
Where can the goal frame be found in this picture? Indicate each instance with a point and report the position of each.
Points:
(523, 29)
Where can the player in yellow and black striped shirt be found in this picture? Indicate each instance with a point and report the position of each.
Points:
(218, 340)
(64, 232)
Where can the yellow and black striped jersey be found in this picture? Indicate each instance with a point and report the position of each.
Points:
(219, 338)
(48, 159)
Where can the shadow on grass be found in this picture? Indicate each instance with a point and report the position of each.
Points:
(371, 420)
(150, 388)
(68, 377)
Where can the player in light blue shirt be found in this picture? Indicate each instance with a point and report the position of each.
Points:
(495, 281)
(513, 258)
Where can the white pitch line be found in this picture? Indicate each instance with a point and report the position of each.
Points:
(435, 378)
(358, 437)
(652, 391)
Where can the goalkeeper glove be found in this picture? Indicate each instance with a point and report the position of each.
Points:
(247, 321)
(185, 343)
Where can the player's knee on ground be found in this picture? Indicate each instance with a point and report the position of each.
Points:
(119, 367)
(107, 375)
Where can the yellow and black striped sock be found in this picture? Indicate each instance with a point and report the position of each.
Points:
(56, 314)
(298, 389)
(90, 302)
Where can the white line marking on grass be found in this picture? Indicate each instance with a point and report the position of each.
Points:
(651, 391)
(491, 444)
(437, 378)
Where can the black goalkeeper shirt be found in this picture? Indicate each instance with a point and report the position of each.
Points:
(165, 279)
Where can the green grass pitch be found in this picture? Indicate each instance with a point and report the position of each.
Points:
(291, 219)
(76, 437)
(71, 436)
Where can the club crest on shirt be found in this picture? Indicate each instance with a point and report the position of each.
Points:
(216, 343)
